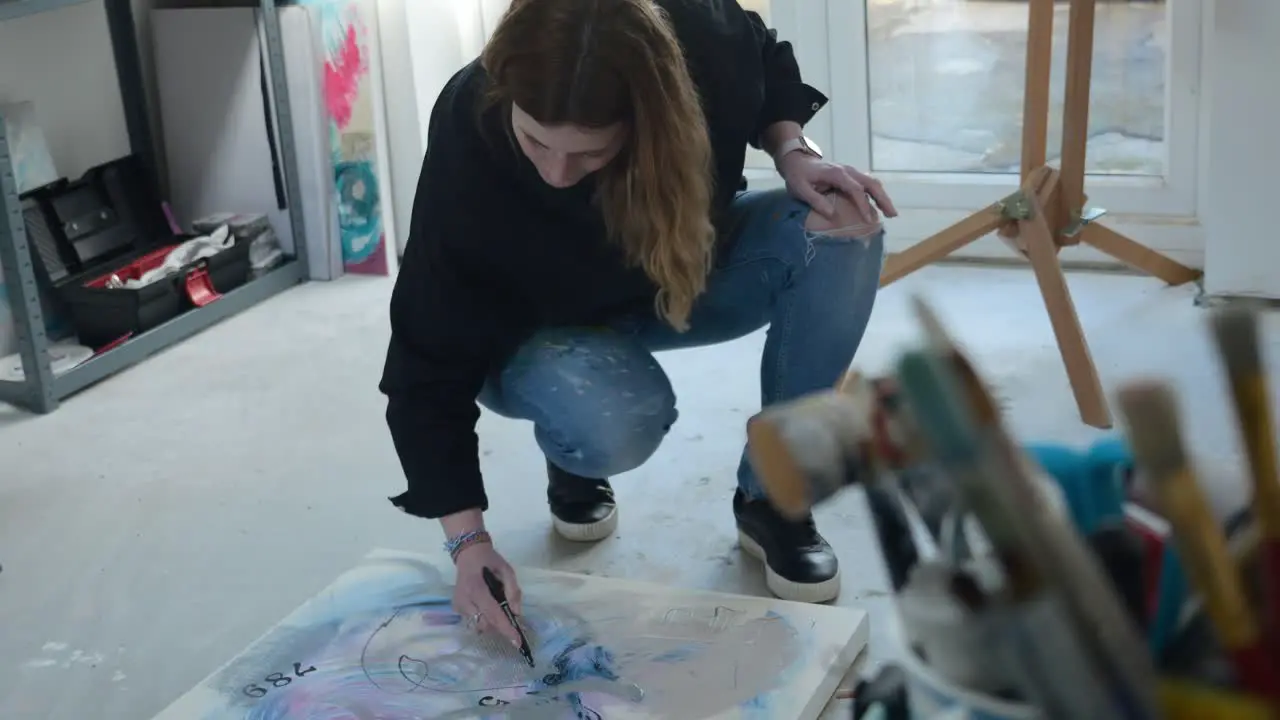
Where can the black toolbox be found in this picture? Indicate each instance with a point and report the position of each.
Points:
(92, 234)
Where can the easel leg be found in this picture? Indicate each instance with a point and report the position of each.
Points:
(1137, 256)
(1081, 371)
(1075, 137)
(1075, 106)
(940, 245)
(1035, 93)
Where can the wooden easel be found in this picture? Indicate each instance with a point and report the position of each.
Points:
(1048, 211)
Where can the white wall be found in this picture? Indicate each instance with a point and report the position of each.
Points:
(404, 145)
(1242, 249)
(425, 41)
(432, 40)
(443, 36)
(62, 62)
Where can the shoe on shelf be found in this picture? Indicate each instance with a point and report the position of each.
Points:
(799, 565)
(582, 509)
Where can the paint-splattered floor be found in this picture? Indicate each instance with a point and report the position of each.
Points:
(160, 522)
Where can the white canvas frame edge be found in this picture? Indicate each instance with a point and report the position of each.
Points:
(198, 696)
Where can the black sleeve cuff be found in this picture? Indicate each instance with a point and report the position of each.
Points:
(792, 101)
(418, 505)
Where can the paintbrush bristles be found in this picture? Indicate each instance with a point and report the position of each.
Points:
(936, 336)
(1151, 413)
(939, 341)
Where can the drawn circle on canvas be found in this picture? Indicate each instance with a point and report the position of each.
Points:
(358, 216)
(62, 358)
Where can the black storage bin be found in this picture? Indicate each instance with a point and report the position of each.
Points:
(109, 223)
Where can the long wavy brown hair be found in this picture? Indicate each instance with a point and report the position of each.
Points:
(594, 63)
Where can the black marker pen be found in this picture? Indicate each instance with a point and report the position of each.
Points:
(500, 595)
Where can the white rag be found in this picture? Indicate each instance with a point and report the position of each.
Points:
(180, 257)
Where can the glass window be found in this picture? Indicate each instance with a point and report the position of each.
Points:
(946, 85)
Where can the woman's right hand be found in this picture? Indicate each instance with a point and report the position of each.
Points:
(471, 597)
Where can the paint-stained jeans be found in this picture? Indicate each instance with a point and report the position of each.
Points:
(601, 404)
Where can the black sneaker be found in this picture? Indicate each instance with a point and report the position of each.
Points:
(582, 509)
(798, 563)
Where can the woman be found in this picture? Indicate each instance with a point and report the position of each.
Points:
(580, 208)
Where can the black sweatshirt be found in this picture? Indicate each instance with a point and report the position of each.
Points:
(494, 253)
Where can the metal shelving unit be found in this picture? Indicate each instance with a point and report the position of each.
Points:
(41, 391)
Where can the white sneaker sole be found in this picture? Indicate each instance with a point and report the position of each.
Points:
(825, 591)
(591, 532)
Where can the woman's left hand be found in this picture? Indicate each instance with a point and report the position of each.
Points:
(809, 179)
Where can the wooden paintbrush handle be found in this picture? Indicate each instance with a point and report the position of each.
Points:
(1207, 561)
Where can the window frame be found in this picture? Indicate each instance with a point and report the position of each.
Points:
(830, 40)
(1174, 194)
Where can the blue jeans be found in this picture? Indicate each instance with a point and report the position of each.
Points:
(601, 404)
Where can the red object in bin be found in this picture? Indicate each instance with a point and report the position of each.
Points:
(1154, 533)
(134, 270)
(200, 287)
(198, 284)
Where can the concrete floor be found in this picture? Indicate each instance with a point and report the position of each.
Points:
(160, 522)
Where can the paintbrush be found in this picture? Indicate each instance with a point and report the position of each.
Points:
(888, 688)
(808, 449)
(1030, 526)
(1152, 416)
(1236, 332)
(942, 414)
(1188, 701)
(926, 546)
(1046, 538)
(893, 530)
(1037, 638)
(899, 445)
(933, 495)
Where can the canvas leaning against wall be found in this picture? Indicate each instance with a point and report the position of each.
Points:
(355, 111)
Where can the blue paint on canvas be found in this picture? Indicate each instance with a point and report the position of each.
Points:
(359, 218)
(385, 642)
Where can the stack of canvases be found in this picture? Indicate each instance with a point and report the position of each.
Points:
(229, 159)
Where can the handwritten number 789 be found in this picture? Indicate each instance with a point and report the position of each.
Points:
(276, 680)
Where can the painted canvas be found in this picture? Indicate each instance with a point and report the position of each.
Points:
(354, 108)
(383, 642)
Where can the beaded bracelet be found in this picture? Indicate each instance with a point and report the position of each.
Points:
(456, 544)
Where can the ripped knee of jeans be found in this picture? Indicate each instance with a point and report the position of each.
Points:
(848, 221)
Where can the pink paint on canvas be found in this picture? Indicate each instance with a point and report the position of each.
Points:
(375, 264)
(342, 76)
(349, 89)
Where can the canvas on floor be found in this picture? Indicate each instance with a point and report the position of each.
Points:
(383, 642)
